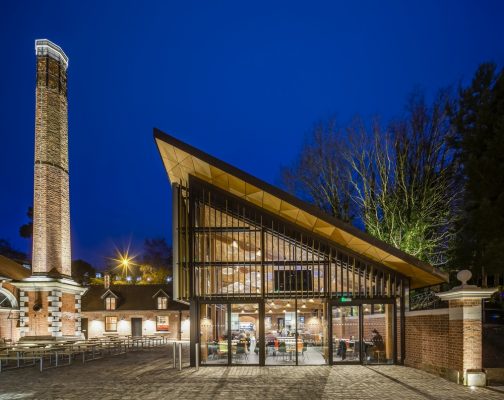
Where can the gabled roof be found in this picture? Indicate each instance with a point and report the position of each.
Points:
(160, 292)
(109, 293)
(181, 160)
(129, 297)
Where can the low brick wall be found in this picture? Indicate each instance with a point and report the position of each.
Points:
(427, 341)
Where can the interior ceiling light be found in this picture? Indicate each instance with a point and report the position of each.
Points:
(303, 306)
(235, 244)
(311, 301)
(287, 305)
(270, 311)
(258, 253)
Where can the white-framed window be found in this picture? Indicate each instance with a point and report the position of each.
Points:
(111, 324)
(162, 323)
(162, 303)
(110, 303)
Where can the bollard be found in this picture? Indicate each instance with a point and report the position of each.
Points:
(197, 355)
(174, 355)
(180, 356)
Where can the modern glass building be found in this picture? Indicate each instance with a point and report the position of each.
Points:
(272, 280)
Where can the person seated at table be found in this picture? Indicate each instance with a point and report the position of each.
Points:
(247, 341)
(377, 341)
(342, 349)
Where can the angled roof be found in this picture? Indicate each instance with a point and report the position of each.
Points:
(10, 269)
(181, 160)
(129, 297)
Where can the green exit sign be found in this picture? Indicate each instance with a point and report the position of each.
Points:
(345, 299)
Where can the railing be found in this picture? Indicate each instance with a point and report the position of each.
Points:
(426, 300)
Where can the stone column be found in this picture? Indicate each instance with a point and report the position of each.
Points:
(465, 327)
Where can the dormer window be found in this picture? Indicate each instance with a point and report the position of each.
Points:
(162, 303)
(110, 303)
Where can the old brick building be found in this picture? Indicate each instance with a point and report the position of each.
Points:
(135, 310)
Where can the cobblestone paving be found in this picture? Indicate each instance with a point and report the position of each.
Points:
(149, 375)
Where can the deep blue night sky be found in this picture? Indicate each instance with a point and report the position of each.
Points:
(242, 81)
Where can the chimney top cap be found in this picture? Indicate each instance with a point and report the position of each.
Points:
(46, 47)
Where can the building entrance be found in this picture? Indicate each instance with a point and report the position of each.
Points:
(230, 334)
(363, 332)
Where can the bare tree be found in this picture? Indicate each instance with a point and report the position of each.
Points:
(403, 179)
(320, 175)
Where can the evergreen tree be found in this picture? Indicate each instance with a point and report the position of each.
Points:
(479, 141)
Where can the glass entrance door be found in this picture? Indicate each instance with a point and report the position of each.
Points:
(245, 333)
(346, 334)
(378, 333)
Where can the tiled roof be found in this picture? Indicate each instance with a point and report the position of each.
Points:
(129, 297)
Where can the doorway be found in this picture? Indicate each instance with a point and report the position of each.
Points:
(363, 332)
(229, 334)
(346, 334)
(136, 327)
(84, 327)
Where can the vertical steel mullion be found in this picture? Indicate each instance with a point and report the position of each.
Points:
(230, 343)
(295, 259)
(347, 275)
(302, 266)
(227, 256)
(336, 273)
(221, 251)
(263, 253)
(353, 277)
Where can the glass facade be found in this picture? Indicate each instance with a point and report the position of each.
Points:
(267, 292)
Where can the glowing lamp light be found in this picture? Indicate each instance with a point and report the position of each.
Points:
(287, 305)
(169, 279)
(311, 301)
(128, 278)
(235, 244)
(303, 306)
(270, 311)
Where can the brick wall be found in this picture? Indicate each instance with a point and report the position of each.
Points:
(8, 329)
(427, 340)
(68, 316)
(37, 323)
(9, 316)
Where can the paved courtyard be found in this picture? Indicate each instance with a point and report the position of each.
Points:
(149, 375)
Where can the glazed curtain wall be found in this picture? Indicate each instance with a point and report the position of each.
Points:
(231, 249)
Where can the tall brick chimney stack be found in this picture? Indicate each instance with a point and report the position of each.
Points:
(50, 300)
(51, 207)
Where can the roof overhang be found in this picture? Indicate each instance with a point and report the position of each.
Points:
(182, 160)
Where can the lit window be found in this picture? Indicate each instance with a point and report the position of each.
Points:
(162, 303)
(110, 303)
(162, 323)
(111, 324)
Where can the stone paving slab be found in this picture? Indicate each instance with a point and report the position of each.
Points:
(149, 375)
